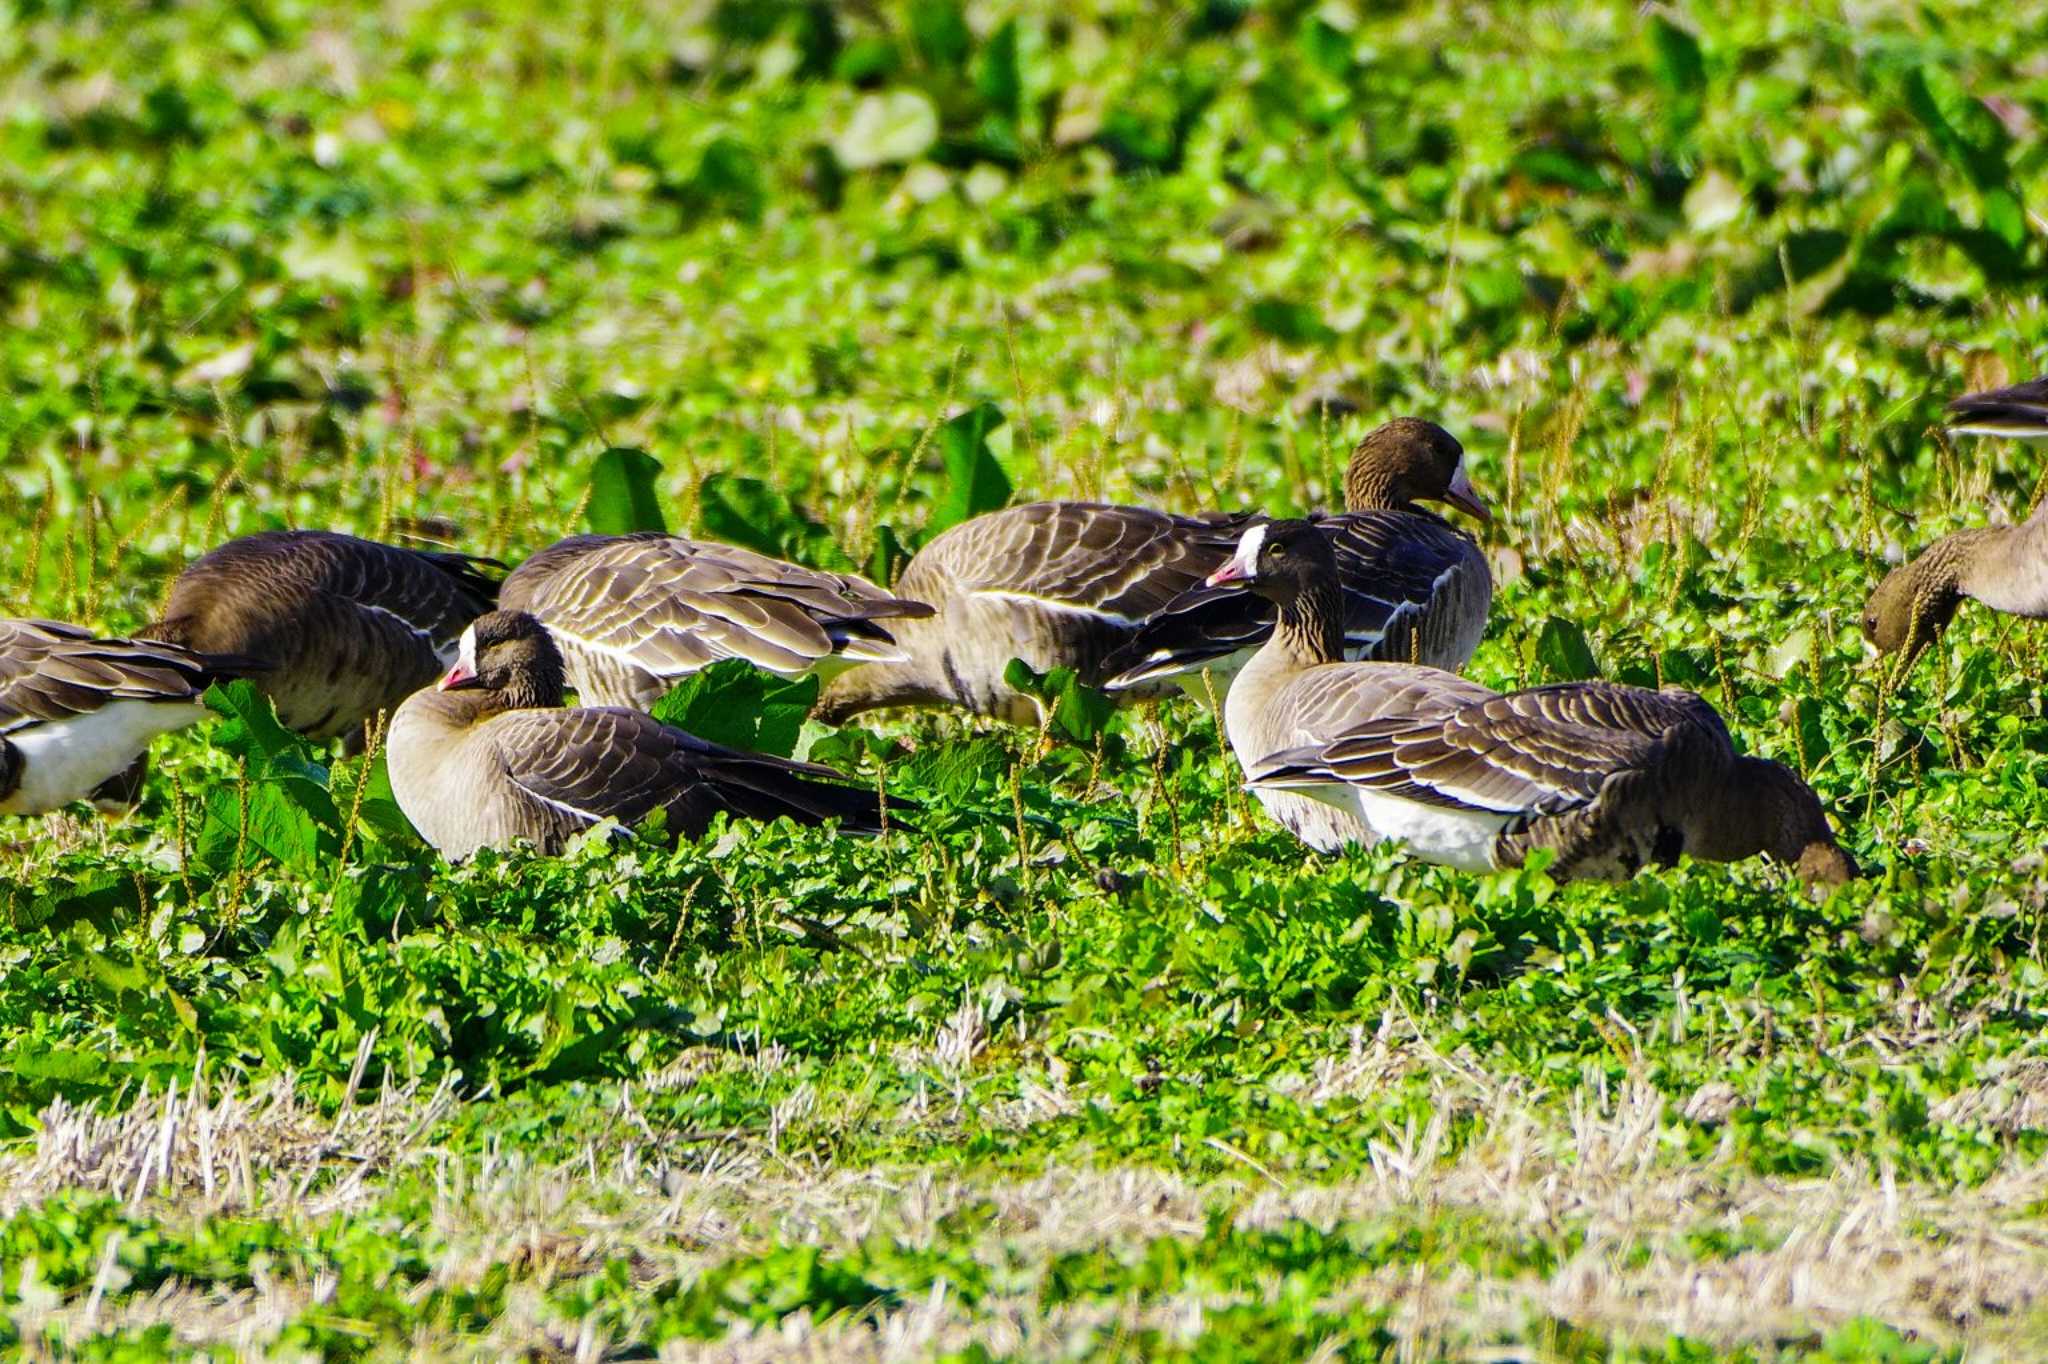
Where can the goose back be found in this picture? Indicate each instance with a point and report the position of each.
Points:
(634, 614)
(348, 627)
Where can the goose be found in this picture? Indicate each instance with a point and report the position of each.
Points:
(489, 758)
(348, 627)
(2004, 567)
(77, 710)
(1610, 778)
(1056, 584)
(1415, 588)
(2020, 411)
(634, 614)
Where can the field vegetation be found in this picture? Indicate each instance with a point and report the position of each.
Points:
(1095, 1062)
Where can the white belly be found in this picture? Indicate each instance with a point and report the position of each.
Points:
(1456, 838)
(63, 760)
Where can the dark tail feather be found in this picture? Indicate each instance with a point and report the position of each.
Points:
(763, 788)
(469, 570)
(123, 790)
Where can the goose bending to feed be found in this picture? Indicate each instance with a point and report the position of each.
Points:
(77, 710)
(1057, 584)
(348, 627)
(1610, 778)
(1415, 588)
(634, 614)
(490, 758)
(2004, 567)
(2020, 411)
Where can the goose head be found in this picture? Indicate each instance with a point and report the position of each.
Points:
(510, 655)
(1406, 461)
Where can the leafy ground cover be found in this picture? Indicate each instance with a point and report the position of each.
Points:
(1095, 1063)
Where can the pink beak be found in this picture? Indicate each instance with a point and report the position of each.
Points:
(1236, 571)
(457, 675)
(1461, 496)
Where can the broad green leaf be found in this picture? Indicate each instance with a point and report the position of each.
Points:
(622, 494)
(975, 481)
(748, 512)
(998, 74)
(1297, 324)
(251, 730)
(1079, 712)
(1675, 57)
(734, 703)
(1968, 134)
(940, 31)
(1562, 650)
(887, 129)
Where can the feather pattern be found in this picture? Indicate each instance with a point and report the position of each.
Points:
(2020, 410)
(1056, 584)
(76, 709)
(348, 627)
(634, 614)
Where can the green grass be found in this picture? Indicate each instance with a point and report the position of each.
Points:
(1098, 1063)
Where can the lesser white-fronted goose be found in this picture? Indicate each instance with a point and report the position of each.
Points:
(2020, 410)
(1415, 588)
(349, 627)
(1610, 778)
(490, 758)
(633, 614)
(76, 710)
(1056, 584)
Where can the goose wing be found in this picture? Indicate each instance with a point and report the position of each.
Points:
(1396, 569)
(50, 671)
(1121, 564)
(1536, 752)
(573, 768)
(670, 606)
(2019, 410)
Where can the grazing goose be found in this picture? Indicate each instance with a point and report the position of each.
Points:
(490, 758)
(2020, 411)
(75, 711)
(634, 614)
(1610, 778)
(1057, 584)
(349, 627)
(1415, 589)
(2005, 567)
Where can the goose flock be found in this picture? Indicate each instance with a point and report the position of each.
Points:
(1332, 646)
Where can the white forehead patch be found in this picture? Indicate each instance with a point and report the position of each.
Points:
(1254, 541)
(465, 653)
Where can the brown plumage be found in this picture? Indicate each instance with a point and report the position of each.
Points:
(1057, 584)
(490, 758)
(1610, 778)
(349, 627)
(1415, 588)
(75, 709)
(2005, 567)
(634, 614)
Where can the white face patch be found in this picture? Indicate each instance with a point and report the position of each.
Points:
(1246, 561)
(465, 652)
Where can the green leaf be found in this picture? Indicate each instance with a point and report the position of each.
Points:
(998, 72)
(252, 731)
(622, 496)
(734, 703)
(975, 481)
(1297, 324)
(1562, 650)
(749, 513)
(1079, 712)
(940, 32)
(1675, 58)
(728, 180)
(1969, 135)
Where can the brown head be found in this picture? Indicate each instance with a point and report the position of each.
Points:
(1917, 600)
(1406, 461)
(509, 655)
(1771, 811)
(1291, 564)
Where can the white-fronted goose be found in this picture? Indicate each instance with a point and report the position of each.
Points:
(634, 614)
(490, 758)
(349, 627)
(2005, 567)
(76, 710)
(1415, 589)
(1610, 778)
(2020, 411)
(1057, 584)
